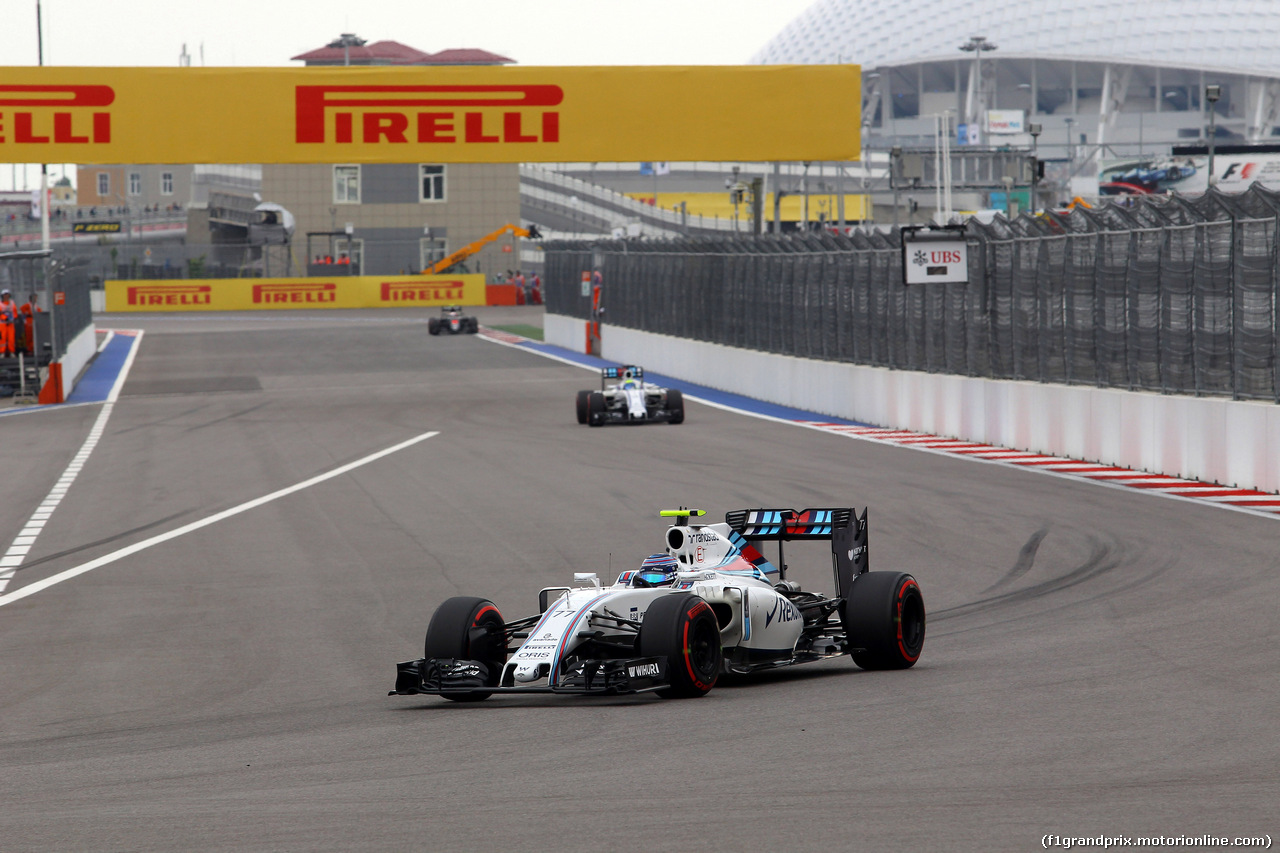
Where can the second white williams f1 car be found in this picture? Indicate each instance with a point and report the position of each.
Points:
(629, 399)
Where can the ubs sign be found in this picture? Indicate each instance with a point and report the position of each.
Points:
(934, 255)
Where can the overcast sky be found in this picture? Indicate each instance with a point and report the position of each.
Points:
(268, 32)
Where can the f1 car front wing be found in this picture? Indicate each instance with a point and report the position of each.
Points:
(439, 677)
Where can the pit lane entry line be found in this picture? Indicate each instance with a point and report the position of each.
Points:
(106, 559)
(118, 371)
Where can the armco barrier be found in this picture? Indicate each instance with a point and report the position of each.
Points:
(1211, 439)
(250, 294)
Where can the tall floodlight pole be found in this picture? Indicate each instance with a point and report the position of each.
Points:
(44, 217)
(1212, 93)
(976, 45)
(946, 166)
(895, 165)
(1035, 130)
(937, 167)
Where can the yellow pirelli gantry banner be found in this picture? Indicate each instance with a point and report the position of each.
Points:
(258, 294)
(429, 114)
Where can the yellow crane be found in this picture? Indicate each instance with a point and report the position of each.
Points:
(470, 249)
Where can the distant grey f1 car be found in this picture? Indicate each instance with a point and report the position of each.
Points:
(711, 603)
(629, 399)
(453, 321)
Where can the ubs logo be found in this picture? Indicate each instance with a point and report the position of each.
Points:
(38, 115)
(427, 114)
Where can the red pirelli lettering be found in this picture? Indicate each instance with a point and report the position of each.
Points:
(312, 102)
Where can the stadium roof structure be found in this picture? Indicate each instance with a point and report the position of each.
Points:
(1237, 36)
(1134, 67)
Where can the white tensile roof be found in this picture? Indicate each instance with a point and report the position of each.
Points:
(1239, 36)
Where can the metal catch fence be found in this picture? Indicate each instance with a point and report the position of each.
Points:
(1163, 294)
(28, 272)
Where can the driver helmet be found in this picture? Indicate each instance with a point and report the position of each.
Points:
(656, 570)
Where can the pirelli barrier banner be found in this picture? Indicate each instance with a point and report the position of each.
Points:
(429, 114)
(259, 294)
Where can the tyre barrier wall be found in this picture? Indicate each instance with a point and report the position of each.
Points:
(1211, 439)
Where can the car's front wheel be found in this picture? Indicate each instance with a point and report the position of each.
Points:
(675, 405)
(595, 408)
(468, 628)
(682, 629)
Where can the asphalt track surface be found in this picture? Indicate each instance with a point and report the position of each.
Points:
(1097, 661)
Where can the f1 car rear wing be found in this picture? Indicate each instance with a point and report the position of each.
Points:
(620, 372)
(846, 530)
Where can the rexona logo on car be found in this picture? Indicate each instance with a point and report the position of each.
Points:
(170, 294)
(440, 114)
(35, 114)
(418, 291)
(274, 294)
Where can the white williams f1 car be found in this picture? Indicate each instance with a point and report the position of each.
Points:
(711, 603)
(453, 321)
(629, 399)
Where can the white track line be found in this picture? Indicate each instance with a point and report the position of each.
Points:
(39, 585)
(26, 538)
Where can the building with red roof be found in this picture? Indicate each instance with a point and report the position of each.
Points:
(349, 49)
(403, 216)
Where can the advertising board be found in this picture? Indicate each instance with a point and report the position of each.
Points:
(450, 114)
(268, 294)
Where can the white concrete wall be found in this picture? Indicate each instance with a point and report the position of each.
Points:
(567, 332)
(1224, 441)
(77, 356)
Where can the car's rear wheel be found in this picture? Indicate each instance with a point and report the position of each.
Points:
(682, 629)
(675, 405)
(473, 326)
(468, 628)
(595, 408)
(584, 400)
(433, 326)
(884, 616)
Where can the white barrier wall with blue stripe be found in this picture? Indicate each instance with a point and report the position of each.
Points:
(1211, 439)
